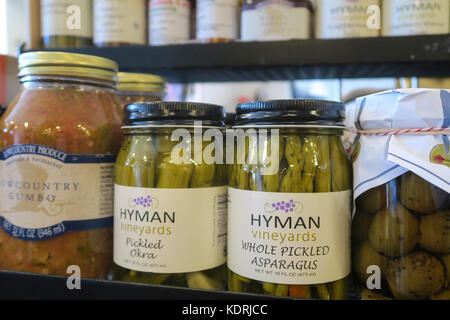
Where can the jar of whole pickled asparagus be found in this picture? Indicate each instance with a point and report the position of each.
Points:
(139, 87)
(290, 193)
(401, 228)
(171, 196)
(58, 143)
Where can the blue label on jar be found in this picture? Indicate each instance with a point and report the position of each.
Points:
(46, 192)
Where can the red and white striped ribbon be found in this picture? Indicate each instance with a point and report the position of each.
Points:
(394, 132)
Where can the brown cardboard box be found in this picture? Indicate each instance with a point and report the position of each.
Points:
(9, 85)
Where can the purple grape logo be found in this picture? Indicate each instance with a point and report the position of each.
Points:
(144, 202)
(284, 206)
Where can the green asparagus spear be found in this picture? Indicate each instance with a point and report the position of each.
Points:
(322, 181)
(293, 152)
(339, 289)
(309, 169)
(322, 290)
(340, 166)
(282, 290)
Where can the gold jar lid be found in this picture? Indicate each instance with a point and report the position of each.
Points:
(51, 63)
(140, 82)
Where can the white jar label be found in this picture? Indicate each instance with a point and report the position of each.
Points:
(120, 21)
(289, 238)
(275, 20)
(169, 21)
(411, 17)
(45, 192)
(217, 19)
(170, 230)
(66, 18)
(344, 19)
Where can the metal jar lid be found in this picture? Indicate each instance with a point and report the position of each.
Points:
(173, 114)
(296, 112)
(43, 63)
(140, 82)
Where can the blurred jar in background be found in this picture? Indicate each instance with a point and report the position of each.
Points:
(217, 20)
(344, 19)
(275, 20)
(412, 17)
(430, 83)
(66, 23)
(138, 87)
(169, 21)
(120, 22)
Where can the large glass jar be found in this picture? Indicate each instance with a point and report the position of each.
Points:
(276, 20)
(66, 23)
(120, 22)
(58, 142)
(139, 87)
(401, 228)
(165, 196)
(289, 211)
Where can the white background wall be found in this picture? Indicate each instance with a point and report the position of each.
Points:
(12, 25)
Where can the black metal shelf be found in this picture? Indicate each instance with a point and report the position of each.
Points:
(426, 56)
(27, 286)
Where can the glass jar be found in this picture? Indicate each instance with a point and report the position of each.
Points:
(58, 141)
(345, 19)
(169, 21)
(120, 22)
(66, 23)
(289, 210)
(139, 87)
(150, 175)
(217, 21)
(276, 20)
(411, 17)
(400, 231)
(402, 227)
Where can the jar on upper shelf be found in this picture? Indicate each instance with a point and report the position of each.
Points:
(276, 20)
(217, 20)
(120, 22)
(169, 21)
(66, 23)
(347, 19)
(411, 17)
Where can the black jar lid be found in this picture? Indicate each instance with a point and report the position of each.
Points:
(295, 112)
(174, 113)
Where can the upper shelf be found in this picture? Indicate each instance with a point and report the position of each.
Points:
(426, 56)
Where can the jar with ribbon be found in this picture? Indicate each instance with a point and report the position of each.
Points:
(401, 161)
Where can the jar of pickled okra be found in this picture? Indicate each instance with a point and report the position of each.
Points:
(171, 196)
(58, 144)
(401, 228)
(139, 87)
(66, 23)
(290, 194)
